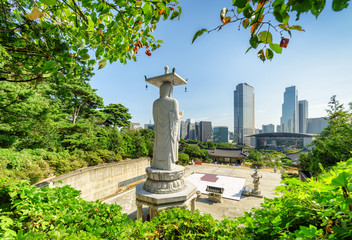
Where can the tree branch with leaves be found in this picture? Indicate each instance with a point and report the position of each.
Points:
(264, 18)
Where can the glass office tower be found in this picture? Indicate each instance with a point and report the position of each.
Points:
(243, 113)
(289, 119)
(221, 134)
(303, 115)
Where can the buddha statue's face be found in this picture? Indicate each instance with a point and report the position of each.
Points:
(166, 90)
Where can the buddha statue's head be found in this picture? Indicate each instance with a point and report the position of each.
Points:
(166, 90)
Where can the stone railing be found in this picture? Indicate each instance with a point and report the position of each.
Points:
(98, 182)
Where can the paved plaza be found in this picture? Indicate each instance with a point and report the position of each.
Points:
(227, 208)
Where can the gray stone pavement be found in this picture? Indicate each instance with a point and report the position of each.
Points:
(227, 208)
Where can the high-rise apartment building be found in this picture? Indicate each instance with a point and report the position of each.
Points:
(243, 113)
(269, 128)
(183, 130)
(289, 120)
(303, 115)
(316, 125)
(191, 130)
(205, 131)
(220, 134)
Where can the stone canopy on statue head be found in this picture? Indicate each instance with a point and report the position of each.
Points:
(172, 78)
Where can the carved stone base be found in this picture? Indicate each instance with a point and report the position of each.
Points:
(256, 193)
(160, 202)
(165, 181)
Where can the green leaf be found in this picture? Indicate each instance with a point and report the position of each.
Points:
(341, 180)
(254, 41)
(275, 47)
(85, 56)
(248, 11)
(239, 3)
(245, 23)
(317, 7)
(260, 55)
(198, 33)
(296, 27)
(338, 5)
(265, 37)
(91, 63)
(179, 12)
(174, 15)
(99, 51)
(48, 65)
(147, 11)
(102, 63)
(257, 16)
(269, 54)
(249, 49)
(50, 2)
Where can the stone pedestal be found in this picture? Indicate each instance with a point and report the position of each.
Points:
(165, 181)
(165, 189)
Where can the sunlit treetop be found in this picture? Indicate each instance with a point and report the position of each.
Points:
(265, 18)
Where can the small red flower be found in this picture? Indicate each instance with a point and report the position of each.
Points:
(284, 42)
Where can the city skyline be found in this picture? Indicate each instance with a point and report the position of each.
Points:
(316, 61)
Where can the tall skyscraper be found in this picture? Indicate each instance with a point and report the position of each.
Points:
(243, 113)
(191, 130)
(206, 131)
(303, 115)
(289, 119)
(183, 130)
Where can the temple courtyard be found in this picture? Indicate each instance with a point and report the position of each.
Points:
(234, 177)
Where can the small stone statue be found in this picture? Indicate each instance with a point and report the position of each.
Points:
(255, 192)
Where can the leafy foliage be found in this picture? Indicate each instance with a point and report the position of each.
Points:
(117, 115)
(268, 158)
(183, 159)
(273, 16)
(318, 209)
(64, 39)
(28, 212)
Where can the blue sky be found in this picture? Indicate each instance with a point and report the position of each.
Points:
(317, 61)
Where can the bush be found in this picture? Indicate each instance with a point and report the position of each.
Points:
(319, 209)
(92, 158)
(28, 212)
(248, 164)
(108, 156)
(183, 159)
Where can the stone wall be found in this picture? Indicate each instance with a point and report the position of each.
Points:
(104, 180)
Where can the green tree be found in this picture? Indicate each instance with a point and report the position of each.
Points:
(224, 145)
(334, 143)
(117, 115)
(256, 158)
(193, 151)
(265, 18)
(209, 145)
(183, 159)
(26, 116)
